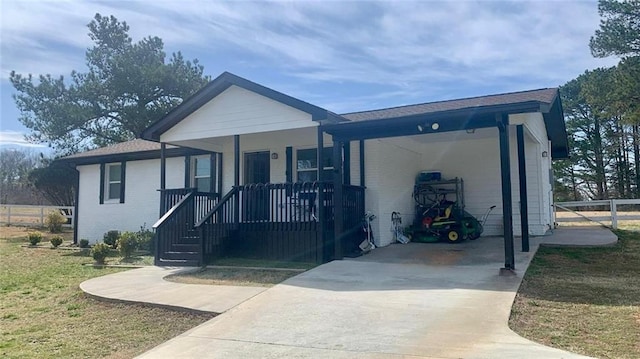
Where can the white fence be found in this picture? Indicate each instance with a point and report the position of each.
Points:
(609, 213)
(24, 215)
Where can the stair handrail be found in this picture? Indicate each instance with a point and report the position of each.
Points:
(173, 209)
(227, 197)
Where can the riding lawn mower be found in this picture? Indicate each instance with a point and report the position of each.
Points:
(440, 213)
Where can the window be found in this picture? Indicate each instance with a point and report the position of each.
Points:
(201, 169)
(307, 164)
(114, 172)
(112, 177)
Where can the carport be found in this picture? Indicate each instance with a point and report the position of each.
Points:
(458, 115)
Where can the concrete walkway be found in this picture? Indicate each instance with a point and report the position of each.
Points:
(410, 301)
(415, 300)
(146, 285)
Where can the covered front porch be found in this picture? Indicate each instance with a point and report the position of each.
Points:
(266, 187)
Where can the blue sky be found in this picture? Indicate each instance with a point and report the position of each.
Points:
(343, 56)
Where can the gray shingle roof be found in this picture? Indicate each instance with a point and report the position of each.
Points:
(546, 95)
(137, 145)
(542, 95)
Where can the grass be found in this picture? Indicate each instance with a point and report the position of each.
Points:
(259, 263)
(234, 276)
(585, 300)
(261, 273)
(43, 313)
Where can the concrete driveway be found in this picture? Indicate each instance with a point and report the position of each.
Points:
(413, 301)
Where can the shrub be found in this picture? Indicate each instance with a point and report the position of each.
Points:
(54, 221)
(99, 252)
(145, 239)
(34, 238)
(111, 238)
(56, 241)
(127, 244)
(84, 243)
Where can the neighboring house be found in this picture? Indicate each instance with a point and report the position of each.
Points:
(234, 134)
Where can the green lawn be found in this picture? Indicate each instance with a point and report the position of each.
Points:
(43, 313)
(585, 300)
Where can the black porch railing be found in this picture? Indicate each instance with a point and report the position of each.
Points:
(284, 221)
(177, 242)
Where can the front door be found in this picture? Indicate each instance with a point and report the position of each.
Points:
(256, 198)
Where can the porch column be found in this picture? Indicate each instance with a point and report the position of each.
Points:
(362, 183)
(163, 176)
(522, 174)
(321, 195)
(219, 182)
(507, 206)
(236, 178)
(338, 202)
(346, 171)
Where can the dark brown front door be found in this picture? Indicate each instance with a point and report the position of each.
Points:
(256, 198)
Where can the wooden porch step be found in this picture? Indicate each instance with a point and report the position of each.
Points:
(190, 240)
(185, 247)
(181, 255)
(178, 262)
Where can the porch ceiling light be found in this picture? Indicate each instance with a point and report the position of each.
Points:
(434, 126)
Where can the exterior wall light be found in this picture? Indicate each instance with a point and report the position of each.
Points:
(545, 154)
(274, 156)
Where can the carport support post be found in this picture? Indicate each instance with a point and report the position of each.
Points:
(337, 198)
(522, 174)
(507, 206)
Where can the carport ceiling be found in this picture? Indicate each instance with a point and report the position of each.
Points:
(481, 112)
(408, 125)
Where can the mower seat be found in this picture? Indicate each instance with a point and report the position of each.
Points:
(447, 214)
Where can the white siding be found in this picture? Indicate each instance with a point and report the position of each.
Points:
(391, 166)
(274, 142)
(237, 111)
(142, 200)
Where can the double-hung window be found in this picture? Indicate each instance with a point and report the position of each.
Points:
(113, 181)
(112, 177)
(201, 169)
(307, 164)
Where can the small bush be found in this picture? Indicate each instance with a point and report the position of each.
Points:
(111, 238)
(54, 221)
(127, 244)
(99, 252)
(145, 239)
(84, 243)
(34, 238)
(56, 241)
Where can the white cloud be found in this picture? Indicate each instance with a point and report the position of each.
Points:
(418, 48)
(14, 138)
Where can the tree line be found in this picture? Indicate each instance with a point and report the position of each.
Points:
(602, 114)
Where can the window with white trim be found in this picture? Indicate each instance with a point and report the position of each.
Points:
(307, 164)
(113, 181)
(201, 173)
